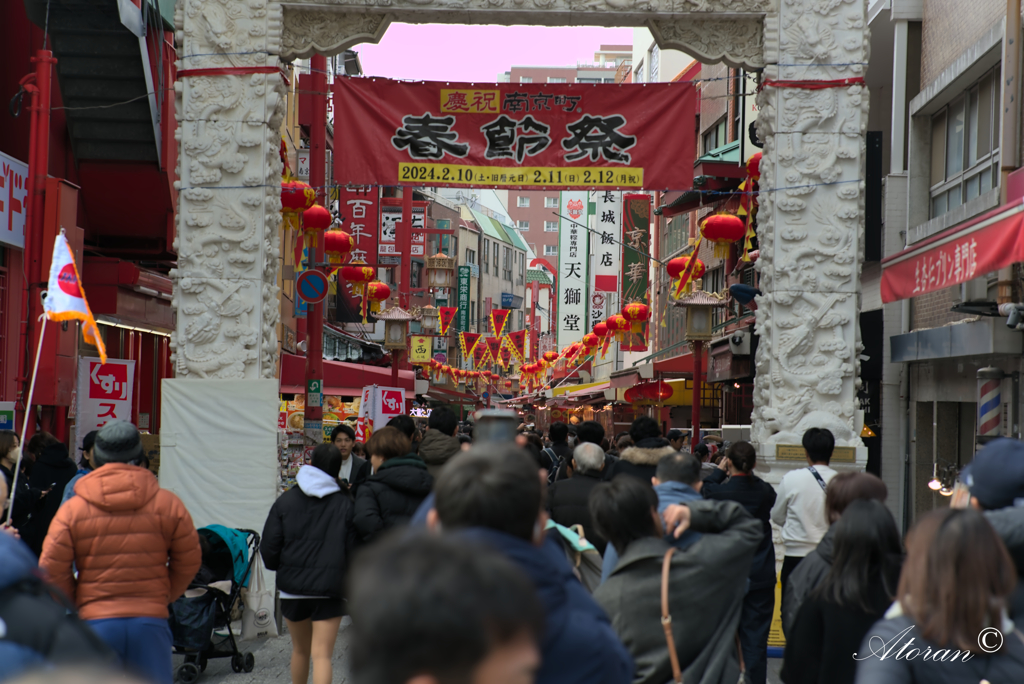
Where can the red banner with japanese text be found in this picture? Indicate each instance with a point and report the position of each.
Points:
(358, 209)
(986, 244)
(515, 135)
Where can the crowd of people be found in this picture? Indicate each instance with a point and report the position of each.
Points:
(567, 557)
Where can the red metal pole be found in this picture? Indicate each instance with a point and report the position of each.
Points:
(38, 85)
(698, 363)
(314, 412)
(404, 240)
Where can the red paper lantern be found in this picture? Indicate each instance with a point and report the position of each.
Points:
(591, 342)
(723, 230)
(315, 220)
(376, 292)
(636, 313)
(676, 267)
(658, 390)
(359, 274)
(338, 243)
(601, 329)
(754, 166)
(633, 395)
(508, 384)
(550, 357)
(618, 326)
(296, 197)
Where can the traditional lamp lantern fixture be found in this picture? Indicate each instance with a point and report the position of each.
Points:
(698, 305)
(723, 230)
(396, 327)
(428, 320)
(440, 271)
(659, 390)
(315, 220)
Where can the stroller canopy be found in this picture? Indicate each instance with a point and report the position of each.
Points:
(235, 543)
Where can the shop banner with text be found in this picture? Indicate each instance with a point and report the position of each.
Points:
(636, 261)
(515, 135)
(986, 244)
(104, 393)
(358, 209)
(465, 272)
(573, 241)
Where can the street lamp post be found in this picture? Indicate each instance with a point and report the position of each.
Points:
(699, 305)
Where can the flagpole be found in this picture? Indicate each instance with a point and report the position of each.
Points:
(24, 424)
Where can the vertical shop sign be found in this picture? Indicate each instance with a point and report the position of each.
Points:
(606, 238)
(463, 301)
(573, 258)
(636, 234)
(104, 393)
(358, 210)
(13, 197)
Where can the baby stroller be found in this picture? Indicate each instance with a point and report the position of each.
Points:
(200, 620)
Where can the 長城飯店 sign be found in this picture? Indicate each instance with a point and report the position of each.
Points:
(555, 136)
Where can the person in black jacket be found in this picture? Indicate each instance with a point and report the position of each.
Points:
(52, 471)
(856, 593)
(641, 459)
(568, 500)
(308, 539)
(399, 484)
(354, 470)
(28, 500)
(758, 497)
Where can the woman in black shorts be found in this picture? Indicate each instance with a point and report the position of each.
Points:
(308, 539)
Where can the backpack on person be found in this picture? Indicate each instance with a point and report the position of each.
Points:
(556, 463)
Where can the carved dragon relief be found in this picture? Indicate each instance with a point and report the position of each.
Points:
(811, 228)
(738, 41)
(309, 31)
(229, 204)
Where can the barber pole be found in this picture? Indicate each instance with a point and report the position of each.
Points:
(990, 401)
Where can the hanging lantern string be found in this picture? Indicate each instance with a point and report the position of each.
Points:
(618, 242)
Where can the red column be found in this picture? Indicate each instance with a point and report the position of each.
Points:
(314, 415)
(698, 369)
(38, 85)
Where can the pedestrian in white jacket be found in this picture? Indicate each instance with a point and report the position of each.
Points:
(800, 506)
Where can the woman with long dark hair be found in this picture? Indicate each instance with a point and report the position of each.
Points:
(951, 601)
(757, 497)
(858, 589)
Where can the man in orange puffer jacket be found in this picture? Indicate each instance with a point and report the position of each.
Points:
(135, 548)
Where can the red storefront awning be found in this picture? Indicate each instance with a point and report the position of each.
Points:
(984, 244)
(342, 379)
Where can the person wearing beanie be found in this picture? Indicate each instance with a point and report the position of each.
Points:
(996, 480)
(134, 546)
(85, 466)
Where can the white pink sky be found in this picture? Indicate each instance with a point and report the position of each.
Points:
(436, 52)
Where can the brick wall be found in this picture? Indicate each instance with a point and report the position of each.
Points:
(932, 310)
(950, 27)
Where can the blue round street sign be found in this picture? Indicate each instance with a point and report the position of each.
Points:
(487, 395)
(311, 286)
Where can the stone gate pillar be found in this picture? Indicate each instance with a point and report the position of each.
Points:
(230, 101)
(813, 120)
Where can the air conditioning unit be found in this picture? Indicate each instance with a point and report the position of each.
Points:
(739, 343)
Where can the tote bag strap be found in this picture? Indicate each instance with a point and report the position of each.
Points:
(666, 617)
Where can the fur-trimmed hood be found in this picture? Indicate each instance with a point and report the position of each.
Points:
(647, 451)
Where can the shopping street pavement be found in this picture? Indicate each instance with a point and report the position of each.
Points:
(272, 656)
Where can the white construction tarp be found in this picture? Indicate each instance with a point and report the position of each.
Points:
(218, 449)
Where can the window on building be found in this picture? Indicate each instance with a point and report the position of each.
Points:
(470, 256)
(676, 235)
(638, 74)
(522, 201)
(526, 79)
(965, 146)
(555, 79)
(472, 314)
(714, 281)
(487, 256)
(522, 266)
(496, 258)
(737, 84)
(550, 202)
(653, 60)
(715, 136)
(550, 250)
(415, 271)
(551, 226)
(523, 225)
(522, 321)
(506, 264)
